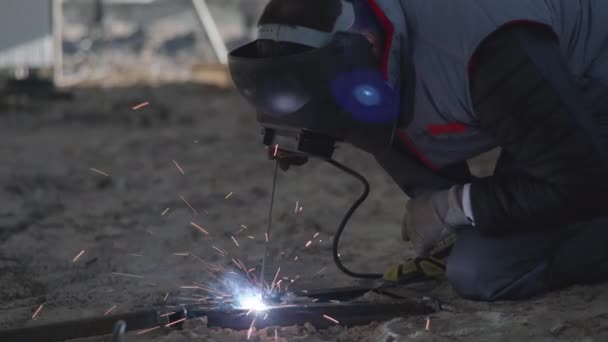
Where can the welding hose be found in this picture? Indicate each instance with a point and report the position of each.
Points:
(345, 220)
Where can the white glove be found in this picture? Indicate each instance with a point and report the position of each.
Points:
(432, 217)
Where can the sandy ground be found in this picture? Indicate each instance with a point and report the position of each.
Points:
(92, 174)
(54, 206)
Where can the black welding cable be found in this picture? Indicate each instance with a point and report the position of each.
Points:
(345, 220)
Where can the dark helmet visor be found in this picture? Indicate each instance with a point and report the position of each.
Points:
(332, 90)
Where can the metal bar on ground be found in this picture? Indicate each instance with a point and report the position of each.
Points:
(99, 326)
(348, 314)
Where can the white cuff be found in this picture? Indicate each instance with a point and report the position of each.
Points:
(466, 203)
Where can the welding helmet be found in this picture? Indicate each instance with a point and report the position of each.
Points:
(336, 91)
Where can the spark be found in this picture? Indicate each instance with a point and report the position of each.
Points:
(148, 330)
(276, 335)
(78, 256)
(317, 234)
(275, 279)
(301, 208)
(110, 310)
(228, 196)
(127, 275)
(267, 237)
(188, 204)
(165, 212)
(100, 172)
(428, 324)
(141, 105)
(219, 250)
(331, 319)
(295, 211)
(335, 301)
(181, 254)
(320, 271)
(179, 167)
(193, 224)
(168, 314)
(176, 322)
(251, 327)
(244, 226)
(276, 150)
(235, 242)
(296, 258)
(166, 296)
(135, 255)
(205, 288)
(251, 237)
(308, 244)
(37, 311)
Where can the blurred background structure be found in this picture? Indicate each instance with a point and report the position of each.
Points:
(121, 42)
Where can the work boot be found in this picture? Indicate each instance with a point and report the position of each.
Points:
(423, 269)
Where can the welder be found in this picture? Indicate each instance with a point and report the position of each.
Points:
(426, 85)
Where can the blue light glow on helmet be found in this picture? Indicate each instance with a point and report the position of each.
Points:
(366, 96)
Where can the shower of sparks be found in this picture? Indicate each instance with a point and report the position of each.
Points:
(193, 224)
(308, 244)
(165, 212)
(110, 310)
(179, 167)
(148, 330)
(228, 196)
(78, 256)
(250, 331)
(37, 311)
(235, 242)
(331, 319)
(428, 324)
(100, 172)
(141, 105)
(128, 275)
(188, 204)
(276, 150)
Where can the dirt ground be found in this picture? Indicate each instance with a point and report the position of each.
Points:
(55, 205)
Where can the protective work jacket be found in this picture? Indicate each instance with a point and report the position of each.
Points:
(529, 76)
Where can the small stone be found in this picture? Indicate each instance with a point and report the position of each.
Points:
(558, 328)
(310, 328)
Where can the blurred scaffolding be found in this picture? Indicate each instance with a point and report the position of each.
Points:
(148, 41)
(123, 42)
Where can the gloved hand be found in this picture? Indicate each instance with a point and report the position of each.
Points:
(432, 217)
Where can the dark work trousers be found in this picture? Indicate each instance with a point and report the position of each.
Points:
(523, 265)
